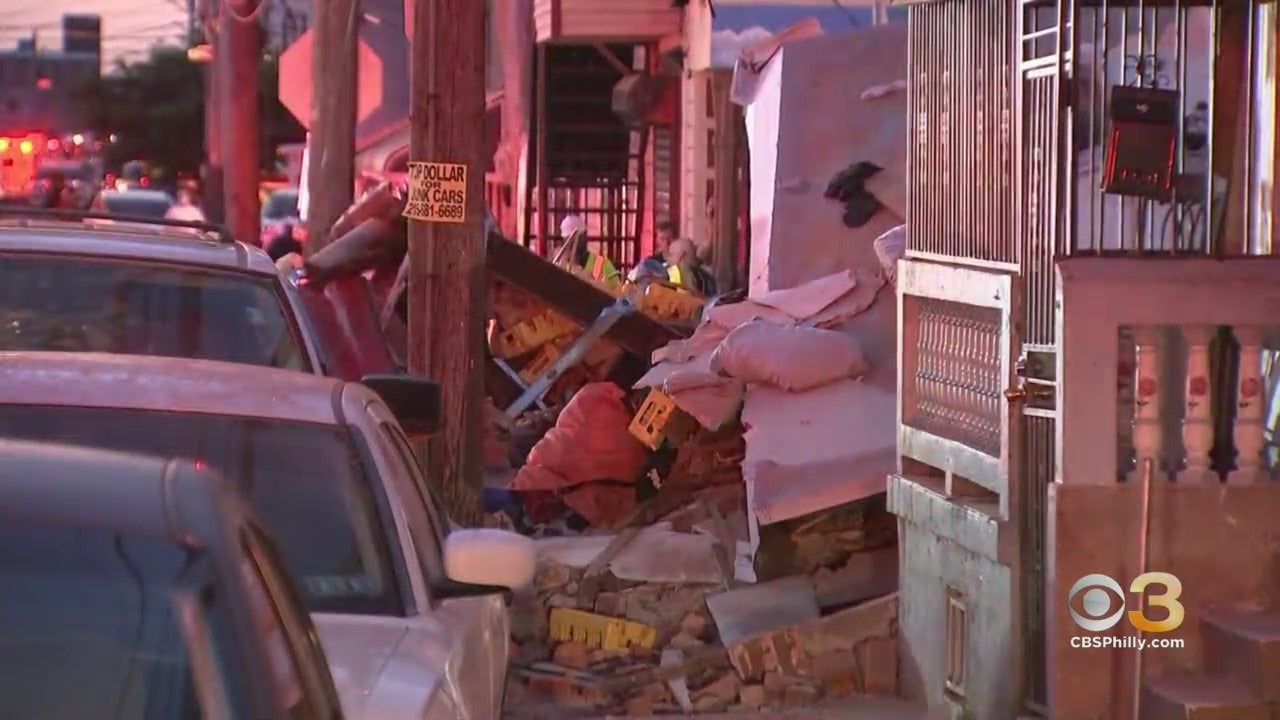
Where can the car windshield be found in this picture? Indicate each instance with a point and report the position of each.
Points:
(304, 480)
(280, 205)
(78, 304)
(96, 624)
(137, 204)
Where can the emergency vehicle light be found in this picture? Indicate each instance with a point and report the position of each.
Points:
(4, 144)
(27, 147)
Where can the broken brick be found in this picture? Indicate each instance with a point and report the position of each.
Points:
(571, 655)
(837, 670)
(752, 697)
(878, 658)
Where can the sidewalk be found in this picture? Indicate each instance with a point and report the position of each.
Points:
(861, 708)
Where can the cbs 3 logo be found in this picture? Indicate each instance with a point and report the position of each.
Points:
(1095, 614)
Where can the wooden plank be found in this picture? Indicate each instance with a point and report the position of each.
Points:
(574, 297)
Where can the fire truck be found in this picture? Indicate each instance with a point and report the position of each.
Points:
(19, 158)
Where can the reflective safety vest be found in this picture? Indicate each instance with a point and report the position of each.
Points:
(601, 269)
(674, 276)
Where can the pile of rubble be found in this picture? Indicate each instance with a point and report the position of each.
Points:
(656, 619)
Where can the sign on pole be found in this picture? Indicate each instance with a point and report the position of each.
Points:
(437, 192)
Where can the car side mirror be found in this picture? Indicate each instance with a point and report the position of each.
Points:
(486, 561)
(415, 401)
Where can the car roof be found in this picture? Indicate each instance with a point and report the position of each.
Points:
(137, 382)
(129, 241)
(139, 193)
(57, 484)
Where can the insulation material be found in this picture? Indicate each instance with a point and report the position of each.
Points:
(589, 442)
(789, 358)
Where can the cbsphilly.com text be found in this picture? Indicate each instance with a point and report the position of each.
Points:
(1127, 642)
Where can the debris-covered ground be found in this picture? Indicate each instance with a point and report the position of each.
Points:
(704, 479)
(692, 555)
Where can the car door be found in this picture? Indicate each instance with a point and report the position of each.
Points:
(479, 623)
(287, 629)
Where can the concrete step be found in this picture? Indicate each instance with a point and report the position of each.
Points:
(1245, 644)
(1199, 697)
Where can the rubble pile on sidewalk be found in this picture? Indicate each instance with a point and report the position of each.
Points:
(726, 573)
(655, 619)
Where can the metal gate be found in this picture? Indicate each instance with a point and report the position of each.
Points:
(985, 192)
(587, 161)
(1043, 220)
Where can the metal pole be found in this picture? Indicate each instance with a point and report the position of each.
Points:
(1144, 550)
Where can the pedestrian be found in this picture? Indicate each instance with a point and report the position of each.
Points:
(185, 209)
(685, 268)
(655, 266)
(602, 270)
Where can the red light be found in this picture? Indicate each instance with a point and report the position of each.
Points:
(44, 83)
(200, 464)
(144, 181)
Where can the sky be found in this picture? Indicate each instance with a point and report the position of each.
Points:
(129, 27)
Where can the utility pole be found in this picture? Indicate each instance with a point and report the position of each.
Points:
(211, 172)
(331, 174)
(446, 259)
(239, 58)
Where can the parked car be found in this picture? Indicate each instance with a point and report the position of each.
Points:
(85, 284)
(92, 284)
(134, 203)
(410, 610)
(143, 587)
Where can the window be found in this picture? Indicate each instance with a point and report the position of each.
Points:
(79, 304)
(304, 481)
(89, 626)
(280, 205)
(957, 634)
(417, 503)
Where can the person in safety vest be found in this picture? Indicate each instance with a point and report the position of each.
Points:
(685, 269)
(574, 231)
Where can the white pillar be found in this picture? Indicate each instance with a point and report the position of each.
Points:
(1197, 423)
(1248, 432)
(1147, 440)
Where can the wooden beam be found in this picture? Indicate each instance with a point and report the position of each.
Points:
(446, 260)
(334, 73)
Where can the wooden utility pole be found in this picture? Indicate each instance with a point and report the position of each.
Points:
(239, 58)
(446, 259)
(332, 154)
(211, 173)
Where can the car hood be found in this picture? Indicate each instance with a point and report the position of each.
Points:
(385, 668)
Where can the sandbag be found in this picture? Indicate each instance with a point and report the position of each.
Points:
(788, 357)
(589, 442)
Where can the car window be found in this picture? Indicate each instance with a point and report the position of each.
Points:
(137, 205)
(428, 535)
(281, 205)
(89, 628)
(304, 481)
(79, 304)
(297, 660)
(439, 516)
